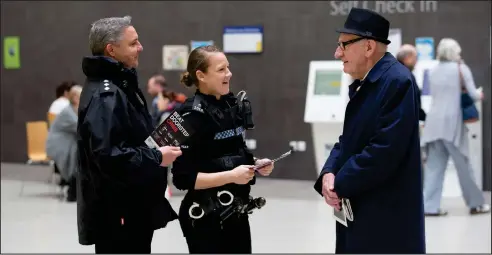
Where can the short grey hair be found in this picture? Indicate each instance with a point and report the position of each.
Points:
(105, 31)
(76, 90)
(405, 51)
(448, 50)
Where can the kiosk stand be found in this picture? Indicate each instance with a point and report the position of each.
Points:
(326, 99)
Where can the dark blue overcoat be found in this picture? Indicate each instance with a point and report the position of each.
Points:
(376, 163)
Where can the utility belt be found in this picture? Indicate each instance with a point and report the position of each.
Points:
(221, 205)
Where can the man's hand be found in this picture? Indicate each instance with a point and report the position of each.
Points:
(331, 198)
(266, 170)
(169, 154)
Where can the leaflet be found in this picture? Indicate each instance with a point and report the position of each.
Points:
(173, 131)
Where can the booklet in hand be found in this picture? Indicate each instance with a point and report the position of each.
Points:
(273, 161)
(173, 131)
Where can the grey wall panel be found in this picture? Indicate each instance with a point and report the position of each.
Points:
(54, 39)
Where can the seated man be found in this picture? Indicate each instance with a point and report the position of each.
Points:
(61, 145)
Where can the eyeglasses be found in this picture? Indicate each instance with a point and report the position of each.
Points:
(342, 45)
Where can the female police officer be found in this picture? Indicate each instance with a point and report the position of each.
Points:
(215, 167)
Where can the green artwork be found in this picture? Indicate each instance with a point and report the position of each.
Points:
(11, 52)
(327, 82)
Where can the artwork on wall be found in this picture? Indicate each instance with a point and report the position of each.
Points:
(174, 57)
(11, 52)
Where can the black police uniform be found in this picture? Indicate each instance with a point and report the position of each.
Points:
(121, 185)
(216, 145)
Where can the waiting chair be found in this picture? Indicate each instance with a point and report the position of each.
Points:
(37, 134)
(51, 118)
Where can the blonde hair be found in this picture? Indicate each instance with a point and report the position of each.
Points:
(448, 50)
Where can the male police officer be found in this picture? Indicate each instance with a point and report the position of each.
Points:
(376, 164)
(122, 182)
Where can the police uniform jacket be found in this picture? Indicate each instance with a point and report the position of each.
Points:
(121, 182)
(217, 144)
(377, 164)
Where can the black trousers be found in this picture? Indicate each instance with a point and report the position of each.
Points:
(124, 240)
(208, 236)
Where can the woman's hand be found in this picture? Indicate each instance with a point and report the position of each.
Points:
(242, 174)
(266, 170)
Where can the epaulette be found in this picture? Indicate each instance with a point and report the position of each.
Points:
(107, 87)
(198, 105)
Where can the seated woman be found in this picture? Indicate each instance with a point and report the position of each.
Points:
(61, 145)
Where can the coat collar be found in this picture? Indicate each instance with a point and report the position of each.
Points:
(380, 67)
(375, 73)
(229, 97)
(102, 67)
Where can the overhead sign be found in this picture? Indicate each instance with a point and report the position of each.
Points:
(243, 39)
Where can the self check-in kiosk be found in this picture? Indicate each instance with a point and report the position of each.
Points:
(422, 72)
(326, 100)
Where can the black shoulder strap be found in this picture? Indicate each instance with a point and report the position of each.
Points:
(200, 105)
(107, 87)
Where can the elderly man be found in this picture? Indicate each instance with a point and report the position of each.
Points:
(375, 165)
(122, 182)
(407, 55)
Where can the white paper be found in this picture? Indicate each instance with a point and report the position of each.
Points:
(175, 57)
(340, 216)
(395, 37)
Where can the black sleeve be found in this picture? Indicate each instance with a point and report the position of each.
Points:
(106, 122)
(185, 167)
(422, 114)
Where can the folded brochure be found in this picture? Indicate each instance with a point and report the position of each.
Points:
(173, 131)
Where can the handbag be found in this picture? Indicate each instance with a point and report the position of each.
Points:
(468, 108)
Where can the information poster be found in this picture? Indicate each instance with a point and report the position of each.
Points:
(395, 37)
(425, 48)
(196, 44)
(243, 39)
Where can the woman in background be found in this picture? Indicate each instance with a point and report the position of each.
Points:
(61, 145)
(445, 133)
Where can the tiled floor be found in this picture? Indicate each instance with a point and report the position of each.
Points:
(37, 221)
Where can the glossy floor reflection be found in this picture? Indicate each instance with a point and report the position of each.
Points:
(294, 220)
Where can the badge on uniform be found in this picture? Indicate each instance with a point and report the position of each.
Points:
(345, 214)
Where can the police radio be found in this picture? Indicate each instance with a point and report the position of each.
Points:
(244, 110)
